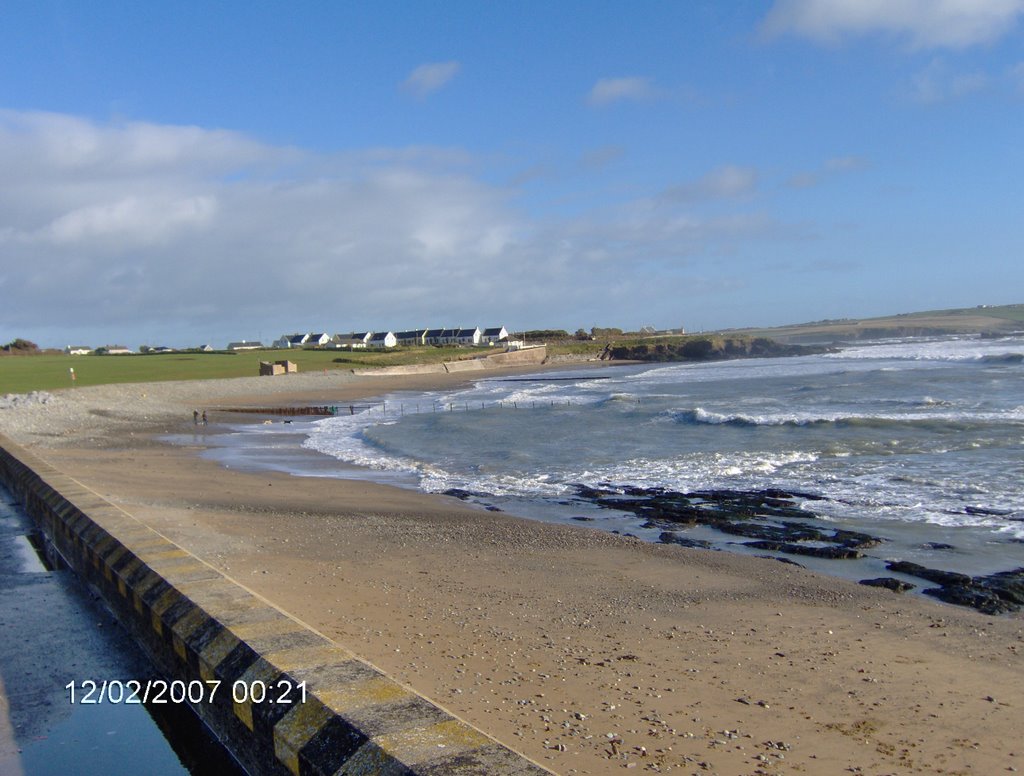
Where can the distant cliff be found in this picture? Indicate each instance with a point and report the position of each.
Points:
(710, 348)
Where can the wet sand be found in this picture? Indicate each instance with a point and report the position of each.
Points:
(588, 652)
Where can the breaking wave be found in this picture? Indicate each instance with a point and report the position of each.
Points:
(951, 420)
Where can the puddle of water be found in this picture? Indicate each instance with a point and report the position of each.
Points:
(102, 738)
(30, 561)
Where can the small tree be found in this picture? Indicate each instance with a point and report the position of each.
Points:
(20, 345)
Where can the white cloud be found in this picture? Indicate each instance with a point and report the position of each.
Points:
(952, 24)
(62, 145)
(130, 221)
(610, 90)
(727, 182)
(428, 78)
(200, 235)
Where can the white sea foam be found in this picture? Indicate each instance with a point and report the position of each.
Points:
(942, 350)
(701, 415)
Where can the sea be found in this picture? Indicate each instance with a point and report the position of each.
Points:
(917, 442)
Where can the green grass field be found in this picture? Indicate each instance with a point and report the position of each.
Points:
(46, 372)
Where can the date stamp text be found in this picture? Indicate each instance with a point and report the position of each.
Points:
(161, 691)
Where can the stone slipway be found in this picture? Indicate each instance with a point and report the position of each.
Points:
(200, 627)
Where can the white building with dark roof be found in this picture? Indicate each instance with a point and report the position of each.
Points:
(468, 336)
(355, 340)
(382, 339)
(411, 337)
(494, 336)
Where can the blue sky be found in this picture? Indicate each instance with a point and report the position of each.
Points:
(195, 172)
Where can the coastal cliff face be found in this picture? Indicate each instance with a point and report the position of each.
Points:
(708, 349)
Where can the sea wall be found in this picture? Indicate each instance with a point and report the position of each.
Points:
(525, 357)
(407, 369)
(282, 698)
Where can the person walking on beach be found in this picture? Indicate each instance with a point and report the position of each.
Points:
(195, 417)
(204, 417)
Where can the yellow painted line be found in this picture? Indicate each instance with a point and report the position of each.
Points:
(152, 541)
(259, 675)
(155, 557)
(215, 652)
(274, 626)
(209, 585)
(111, 561)
(185, 627)
(298, 658)
(140, 589)
(161, 605)
(182, 569)
(424, 743)
(371, 760)
(296, 729)
(358, 695)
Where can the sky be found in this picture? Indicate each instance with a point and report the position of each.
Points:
(192, 172)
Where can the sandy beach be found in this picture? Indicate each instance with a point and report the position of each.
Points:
(587, 652)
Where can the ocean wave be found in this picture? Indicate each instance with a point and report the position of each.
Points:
(945, 350)
(950, 420)
(1003, 358)
(626, 398)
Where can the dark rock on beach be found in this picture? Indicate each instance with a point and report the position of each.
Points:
(984, 601)
(459, 493)
(831, 552)
(1009, 585)
(944, 578)
(775, 519)
(668, 537)
(889, 583)
(992, 594)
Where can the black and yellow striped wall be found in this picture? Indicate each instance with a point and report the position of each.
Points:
(285, 699)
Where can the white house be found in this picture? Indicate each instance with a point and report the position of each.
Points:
(244, 345)
(291, 341)
(78, 350)
(468, 336)
(493, 336)
(381, 339)
(318, 340)
(440, 336)
(411, 337)
(357, 339)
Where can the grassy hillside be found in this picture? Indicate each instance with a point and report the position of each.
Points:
(969, 320)
(21, 374)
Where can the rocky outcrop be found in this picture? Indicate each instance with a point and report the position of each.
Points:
(772, 518)
(707, 349)
(991, 594)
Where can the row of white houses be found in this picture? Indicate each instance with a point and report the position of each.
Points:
(361, 339)
(389, 339)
